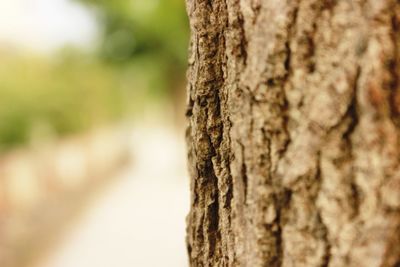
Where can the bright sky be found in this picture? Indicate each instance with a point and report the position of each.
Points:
(44, 25)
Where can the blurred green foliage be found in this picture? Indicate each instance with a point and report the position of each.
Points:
(141, 55)
(151, 36)
(66, 95)
(137, 27)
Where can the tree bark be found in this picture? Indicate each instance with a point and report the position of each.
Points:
(294, 133)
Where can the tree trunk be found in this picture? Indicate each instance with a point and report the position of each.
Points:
(294, 133)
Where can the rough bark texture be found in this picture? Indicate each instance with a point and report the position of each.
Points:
(294, 133)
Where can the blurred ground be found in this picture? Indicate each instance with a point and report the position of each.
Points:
(139, 220)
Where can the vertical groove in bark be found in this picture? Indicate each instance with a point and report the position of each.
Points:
(294, 135)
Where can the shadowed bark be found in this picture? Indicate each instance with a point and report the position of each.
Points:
(294, 133)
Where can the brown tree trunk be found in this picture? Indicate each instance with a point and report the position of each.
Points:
(294, 135)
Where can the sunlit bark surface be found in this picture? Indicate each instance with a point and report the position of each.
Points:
(294, 133)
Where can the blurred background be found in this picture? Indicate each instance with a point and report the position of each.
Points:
(92, 160)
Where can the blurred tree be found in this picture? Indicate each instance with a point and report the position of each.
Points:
(135, 27)
(147, 40)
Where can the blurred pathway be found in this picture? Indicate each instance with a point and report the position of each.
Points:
(139, 220)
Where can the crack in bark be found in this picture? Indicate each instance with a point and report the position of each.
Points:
(352, 113)
(244, 172)
(324, 227)
(283, 202)
(394, 95)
